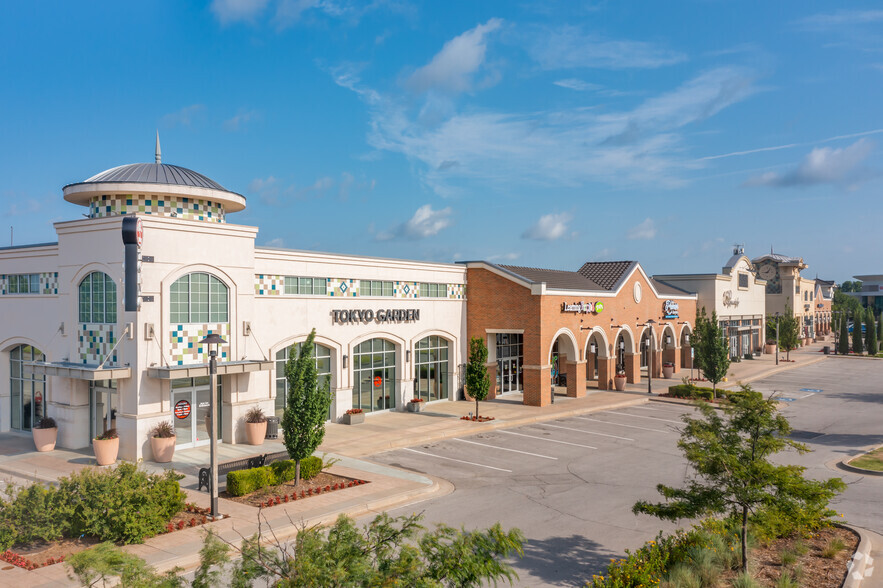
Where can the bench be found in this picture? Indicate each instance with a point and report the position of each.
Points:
(245, 463)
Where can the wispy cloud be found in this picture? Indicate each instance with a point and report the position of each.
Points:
(570, 47)
(182, 117)
(840, 18)
(230, 11)
(550, 227)
(273, 192)
(791, 145)
(426, 222)
(823, 165)
(512, 256)
(241, 120)
(644, 230)
(577, 84)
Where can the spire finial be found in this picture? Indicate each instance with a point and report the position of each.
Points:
(158, 151)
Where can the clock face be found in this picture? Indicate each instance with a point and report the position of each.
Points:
(766, 272)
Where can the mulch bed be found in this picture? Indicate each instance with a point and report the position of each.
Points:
(480, 419)
(322, 483)
(815, 570)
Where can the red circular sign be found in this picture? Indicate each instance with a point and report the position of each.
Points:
(139, 232)
(182, 409)
(378, 381)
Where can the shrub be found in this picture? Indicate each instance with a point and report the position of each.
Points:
(242, 482)
(833, 547)
(690, 391)
(255, 415)
(46, 423)
(163, 430)
(647, 565)
(30, 514)
(108, 434)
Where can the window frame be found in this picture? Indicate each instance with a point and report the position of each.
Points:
(379, 288)
(201, 302)
(305, 286)
(433, 290)
(101, 306)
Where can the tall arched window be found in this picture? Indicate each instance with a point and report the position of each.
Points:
(374, 364)
(431, 369)
(28, 390)
(198, 298)
(98, 299)
(323, 369)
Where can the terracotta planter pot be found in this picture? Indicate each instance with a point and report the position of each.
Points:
(769, 349)
(163, 448)
(44, 439)
(106, 450)
(668, 371)
(354, 419)
(256, 432)
(619, 383)
(416, 406)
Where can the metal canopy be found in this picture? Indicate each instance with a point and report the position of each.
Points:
(195, 370)
(78, 371)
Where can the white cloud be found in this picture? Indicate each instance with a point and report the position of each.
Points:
(426, 222)
(549, 227)
(452, 68)
(277, 242)
(241, 119)
(823, 165)
(182, 117)
(500, 257)
(577, 84)
(229, 11)
(841, 18)
(569, 47)
(644, 230)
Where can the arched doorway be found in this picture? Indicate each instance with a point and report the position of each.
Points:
(321, 353)
(686, 350)
(563, 351)
(622, 346)
(374, 375)
(595, 348)
(431, 369)
(27, 390)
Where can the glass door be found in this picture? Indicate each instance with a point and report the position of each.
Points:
(192, 409)
(103, 406)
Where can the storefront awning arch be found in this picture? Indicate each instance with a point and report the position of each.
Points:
(603, 350)
(568, 345)
(628, 338)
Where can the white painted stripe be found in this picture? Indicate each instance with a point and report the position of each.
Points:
(505, 449)
(584, 431)
(806, 396)
(544, 439)
(640, 416)
(622, 425)
(481, 465)
(644, 408)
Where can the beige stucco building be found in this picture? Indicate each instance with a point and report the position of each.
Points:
(787, 290)
(387, 330)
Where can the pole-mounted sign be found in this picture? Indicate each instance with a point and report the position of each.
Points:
(133, 236)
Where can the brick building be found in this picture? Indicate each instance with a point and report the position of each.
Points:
(575, 330)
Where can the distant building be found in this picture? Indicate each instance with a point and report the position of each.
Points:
(786, 289)
(871, 295)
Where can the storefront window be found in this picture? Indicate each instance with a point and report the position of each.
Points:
(28, 390)
(198, 298)
(431, 369)
(98, 299)
(374, 375)
(103, 407)
(323, 370)
(510, 377)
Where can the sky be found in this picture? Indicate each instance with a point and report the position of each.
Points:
(543, 134)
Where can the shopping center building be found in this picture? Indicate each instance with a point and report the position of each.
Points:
(74, 348)
(548, 329)
(736, 296)
(787, 290)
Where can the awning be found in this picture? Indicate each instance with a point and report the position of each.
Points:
(78, 371)
(195, 370)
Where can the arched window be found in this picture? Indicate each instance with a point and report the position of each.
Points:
(431, 369)
(198, 298)
(28, 390)
(374, 364)
(323, 369)
(98, 299)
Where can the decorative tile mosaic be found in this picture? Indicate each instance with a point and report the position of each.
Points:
(94, 343)
(406, 289)
(341, 287)
(48, 283)
(178, 206)
(267, 285)
(185, 347)
(456, 291)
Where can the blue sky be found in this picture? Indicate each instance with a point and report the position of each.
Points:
(543, 134)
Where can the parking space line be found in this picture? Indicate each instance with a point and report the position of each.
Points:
(622, 425)
(640, 416)
(583, 431)
(481, 465)
(544, 439)
(504, 449)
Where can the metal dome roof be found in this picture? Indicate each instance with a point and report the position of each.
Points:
(155, 173)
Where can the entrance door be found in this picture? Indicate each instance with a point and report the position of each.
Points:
(510, 372)
(103, 405)
(746, 344)
(191, 407)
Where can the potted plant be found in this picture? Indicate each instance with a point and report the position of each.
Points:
(668, 369)
(619, 380)
(770, 347)
(106, 447)
(45, 434)
(416, 405)
(162, 441)
(255, 426)
(354, 416)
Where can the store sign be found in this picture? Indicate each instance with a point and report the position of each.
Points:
(182, 409)
(583, 307)
(729, 299)
(669, 309)
(377, 382)
(382, 315)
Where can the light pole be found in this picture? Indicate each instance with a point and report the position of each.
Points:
(650, 323)
(777, 338)
(211, 341)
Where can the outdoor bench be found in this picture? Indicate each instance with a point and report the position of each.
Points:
(245, 463)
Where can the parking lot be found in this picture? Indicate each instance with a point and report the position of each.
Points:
(569, 484)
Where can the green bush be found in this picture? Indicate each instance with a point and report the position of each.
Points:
(125, 504)
(30, 514)
(310, 467)
(691, 392)
(648, 564)
(242, 482)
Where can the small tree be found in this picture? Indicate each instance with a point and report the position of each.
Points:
(871, 326)
(478, 382)
(857, 344)
(712, 349)
(729, 456)
(789, 331)
(303, 422)
(843, 341)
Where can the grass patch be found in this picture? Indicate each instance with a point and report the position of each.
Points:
(833, 547)
(872, 460)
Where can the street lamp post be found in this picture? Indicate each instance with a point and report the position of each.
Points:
(211, 341)
(650, 323)
(777, 338)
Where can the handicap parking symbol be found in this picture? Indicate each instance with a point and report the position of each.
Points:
(811, 390)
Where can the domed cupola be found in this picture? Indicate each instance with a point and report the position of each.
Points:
(154, 188)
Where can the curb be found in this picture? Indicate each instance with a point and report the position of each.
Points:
(860, 560)
(775, 370)
(844, 464)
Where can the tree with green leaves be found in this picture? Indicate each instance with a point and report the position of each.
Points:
(386, 552)
(871, 327)
(478, 382)
(730, 454)
(712, 349)
(880, 329)
(307, 404)
(789, 331)
(857, 344)
(843, 341)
